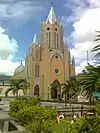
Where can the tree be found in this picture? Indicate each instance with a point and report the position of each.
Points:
(16, 85)
(90, 80)
(69, 88)
(24, 85)
(97, 47)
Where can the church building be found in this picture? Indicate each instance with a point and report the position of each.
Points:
(48, 59)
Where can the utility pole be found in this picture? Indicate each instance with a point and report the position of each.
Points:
(87, 56)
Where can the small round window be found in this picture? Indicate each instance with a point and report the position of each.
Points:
(57, 71)
(56, 57)
(48, 28)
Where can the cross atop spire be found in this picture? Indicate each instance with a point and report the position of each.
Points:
(51, 3)
(51, 16)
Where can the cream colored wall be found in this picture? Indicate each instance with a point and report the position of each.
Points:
(29, 62)
(44, 70)
(47, 66)
(5, 88)
(57, 64)
(52, 29)
(19, 75)
(67, 64)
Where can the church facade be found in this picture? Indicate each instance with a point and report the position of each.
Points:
(48, 59)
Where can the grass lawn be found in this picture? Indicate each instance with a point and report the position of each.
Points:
(59, 128)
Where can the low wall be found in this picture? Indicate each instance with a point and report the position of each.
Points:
(8, 124)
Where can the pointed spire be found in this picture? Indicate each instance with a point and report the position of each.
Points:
(66, 44)
(35, 40)
(51, 16)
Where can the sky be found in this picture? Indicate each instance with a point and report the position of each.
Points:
(21, 19)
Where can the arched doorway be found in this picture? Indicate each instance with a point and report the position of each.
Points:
(55, 88)
(36, 90)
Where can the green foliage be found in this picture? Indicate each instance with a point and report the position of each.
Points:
(97, 47)
(16, 85)
(98, 108)
(70, 87)
(15, 106)
(36, 118)
(43, 120)
(90, 125)
(33, 101)
(26, 114)
(90, 79)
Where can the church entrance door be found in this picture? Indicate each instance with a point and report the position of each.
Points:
(55, 89)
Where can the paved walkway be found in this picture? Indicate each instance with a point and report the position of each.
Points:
(5, 104)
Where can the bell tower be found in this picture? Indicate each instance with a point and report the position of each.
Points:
(51, 32)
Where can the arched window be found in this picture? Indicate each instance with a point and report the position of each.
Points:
(36, 70)
(56, 39)
(48, 37)
(37, 53)
(36, 90)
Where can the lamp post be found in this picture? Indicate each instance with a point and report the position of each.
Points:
(48, 92)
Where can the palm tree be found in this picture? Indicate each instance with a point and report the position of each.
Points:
(24, 85)
(97, 47)
(90, 80)
(69, 88)
(16, 85)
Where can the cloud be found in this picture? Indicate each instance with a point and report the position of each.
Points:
(82, 65)
(77, 7)
(8, 47)
(19, 9)
(14, 11)
(7, 67)
(86, 20)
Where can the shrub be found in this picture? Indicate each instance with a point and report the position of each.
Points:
(90, 125)
(43, 120)
(98, 108)
(15, 106)
(33, 102)
(26, 115)
(33, 117)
